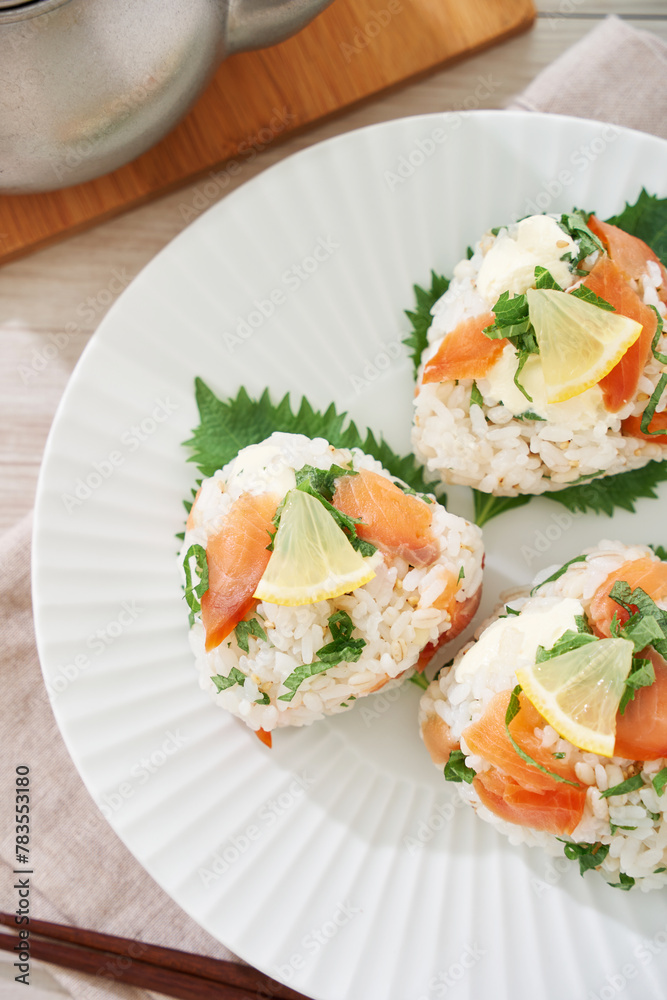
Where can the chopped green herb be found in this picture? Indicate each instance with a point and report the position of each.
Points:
(456, 768)
(264, 700)
(660, 551)
(469, 252)
(574, 224)
(476, 398)
(559, 755)
(421, 318)
(194, 593)
(545, 279)
(245, 629)
(513, 708)
(529, 415)
(647, 415)
(589, 296)
(568, 641)
(629, 785)
(659, 781)
(235, 677)
(588, 855)
(642, 674)
(523, 356)
(342, 649)
(662, 358)
(654, 816)
(656, 871)
(625, 882)
(419, 680)
(637, 601)
(461, 575)
(582, 624)
(613, 827)
(511, 611)
(322, 481)
(558, 573)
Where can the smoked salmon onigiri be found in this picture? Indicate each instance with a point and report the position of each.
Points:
(314, 578)
(545, 359)
(524, 773)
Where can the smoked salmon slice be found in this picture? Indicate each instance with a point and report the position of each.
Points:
(512, 788)
(488, 739)
(632, 427)
(553, 812)
(237, 557)
(620, 385)
(629, 253)
(649, 574)
(641, 732)
(393, 521)
(465, 352)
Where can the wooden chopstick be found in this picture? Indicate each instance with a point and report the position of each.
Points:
(176, 973)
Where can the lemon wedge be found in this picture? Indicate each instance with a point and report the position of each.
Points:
(579, 342)
(312, 558)
(579, 692)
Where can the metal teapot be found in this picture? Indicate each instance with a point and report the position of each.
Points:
(87, 85)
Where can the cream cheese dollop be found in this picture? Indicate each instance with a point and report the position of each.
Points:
(509, 264)
(519, 636)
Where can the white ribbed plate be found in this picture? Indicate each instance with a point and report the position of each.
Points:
(337, 861)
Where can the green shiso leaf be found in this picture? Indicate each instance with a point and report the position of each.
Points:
(245, 629)
(568, 641)
(227, 426)
(625, 882)
(629, 785)
(235, 677)
(194, 592)
(647, 415)
(659, 781)
(421, 318)
(321, 486)
(660, 551)
(456, 768)
(587, 295)
(558, 573)
(488, 506)
(588, 855)
(419, 680)
(647, 219)
(342, 649)
(575, 224)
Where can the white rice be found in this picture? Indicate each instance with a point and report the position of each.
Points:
(460, 699)
(490, 449)
(393, 612)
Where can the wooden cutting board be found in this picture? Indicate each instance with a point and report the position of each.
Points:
(354, 49)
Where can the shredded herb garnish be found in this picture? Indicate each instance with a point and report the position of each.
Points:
(651, 406)
(625, 882)
(456, 768)
(235, 677)
(629, 785)
(245, 629)
(659, 781)
(476, 398)
(194, 593)
(342, 649)
(419, 680)
(558, 573)
(588, 855)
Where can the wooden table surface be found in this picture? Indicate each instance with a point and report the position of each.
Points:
(66, 289)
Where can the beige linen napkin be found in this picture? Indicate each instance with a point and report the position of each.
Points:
(83, 874)
(614, 74)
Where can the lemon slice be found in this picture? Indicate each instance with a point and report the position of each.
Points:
(579, 342)
(579, 692)
(312, 558)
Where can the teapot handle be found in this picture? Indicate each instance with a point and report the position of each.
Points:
(254, 24)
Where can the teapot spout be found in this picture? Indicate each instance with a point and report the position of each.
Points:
(255, 24)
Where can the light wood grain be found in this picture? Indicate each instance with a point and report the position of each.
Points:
(49, 292)
(355, 49)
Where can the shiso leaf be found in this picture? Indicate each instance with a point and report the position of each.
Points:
(647, 219)
(421, 318)
(342, 649)
(588, 855)
(245, 629)
(625, 882)
(659, 781)
(419, 680)
(629, 785)
(235, 677)
(227, 426)
(456, 768)
(194, 592)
